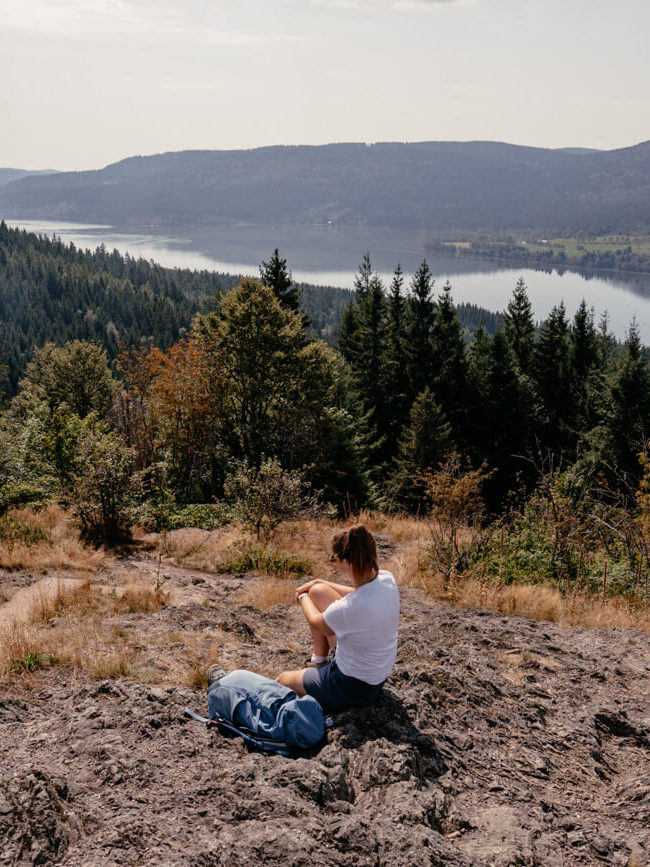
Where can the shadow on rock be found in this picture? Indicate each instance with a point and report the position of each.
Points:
(387, 720)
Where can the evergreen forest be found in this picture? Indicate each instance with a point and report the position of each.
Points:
(140, 394)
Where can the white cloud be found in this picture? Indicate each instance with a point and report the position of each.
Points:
(392, 4)
(87, 19)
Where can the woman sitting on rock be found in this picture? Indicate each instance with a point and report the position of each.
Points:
(361, 620)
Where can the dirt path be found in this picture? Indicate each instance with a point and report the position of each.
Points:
(20, 607)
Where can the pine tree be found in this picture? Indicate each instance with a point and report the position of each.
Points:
(586, 369)
(363, 278)
(629, 423)
(362, 342)
(275, 274)
(419, 331)
(425, 441)
(519, 326)
(552, 380)
(396, 383)
(450, 365)
(479, 368)
(508, 419)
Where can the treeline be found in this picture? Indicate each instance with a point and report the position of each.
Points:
(54, 292)
(621, 259)
(537, 434)
(402, 393)
(435, 186)
(564, 394)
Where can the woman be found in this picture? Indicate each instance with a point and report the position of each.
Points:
(361, 619)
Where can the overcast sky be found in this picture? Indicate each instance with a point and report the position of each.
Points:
(88, 82)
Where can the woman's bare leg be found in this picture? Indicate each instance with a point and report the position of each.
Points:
(322, 595)
(293, 679)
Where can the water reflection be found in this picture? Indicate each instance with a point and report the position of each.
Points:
(330, 255)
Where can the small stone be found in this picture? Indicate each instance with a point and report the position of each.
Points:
(600, 845)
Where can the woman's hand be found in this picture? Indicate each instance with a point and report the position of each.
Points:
(305, 588)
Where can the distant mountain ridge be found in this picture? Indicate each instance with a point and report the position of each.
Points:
(437, 186)
(8, 175)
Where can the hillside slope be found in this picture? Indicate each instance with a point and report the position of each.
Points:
(498, 741)
(439, 186)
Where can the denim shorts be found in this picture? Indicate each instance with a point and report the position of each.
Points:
(335, 691)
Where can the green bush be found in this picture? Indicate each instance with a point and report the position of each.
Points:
(548, 543)
(20, 494)
(169, 515)
(101, 496)
(267, 561)
(265, 496)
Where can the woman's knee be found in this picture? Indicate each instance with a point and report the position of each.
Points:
(322, 595)
(292, 679)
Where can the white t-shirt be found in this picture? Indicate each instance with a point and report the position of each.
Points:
(365, 623)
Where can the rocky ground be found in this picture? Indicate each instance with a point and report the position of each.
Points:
(498, 741)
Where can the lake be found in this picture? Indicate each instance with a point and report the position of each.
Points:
(330, 256)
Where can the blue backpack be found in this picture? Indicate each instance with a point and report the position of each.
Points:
(267, 715)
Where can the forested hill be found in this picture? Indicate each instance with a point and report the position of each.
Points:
(50, 291)
(439, 186)
(9, 175)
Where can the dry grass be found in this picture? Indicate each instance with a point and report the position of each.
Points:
(537, 602)
(87, 599)
(60, 549)
(198, 549)
(265, 594)
(411, 567)
(74, 626)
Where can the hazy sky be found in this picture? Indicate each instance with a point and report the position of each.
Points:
(88, 82)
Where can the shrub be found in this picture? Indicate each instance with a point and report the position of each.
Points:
(19, 494)
(101, 495)
(266, 561)
(264, 497)
(169, 515)
(14, 528)
(454, 494)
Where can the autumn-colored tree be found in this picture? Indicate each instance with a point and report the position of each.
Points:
(456, 504)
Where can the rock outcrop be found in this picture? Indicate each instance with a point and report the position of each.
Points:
(498, 741)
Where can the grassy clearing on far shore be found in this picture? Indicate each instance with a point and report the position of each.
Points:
(602, 244)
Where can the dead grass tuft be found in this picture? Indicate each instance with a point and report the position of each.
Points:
(61, 547)
(200, 651)
(265, 594)
(539, 602)
(199, 549)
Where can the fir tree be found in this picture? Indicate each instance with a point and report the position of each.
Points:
(419, 330)
(552, 378)
(585, 363)
(275, 274)
(519, 326)
(425, 442)
(450, 365)
(628, 426)
(396, 384)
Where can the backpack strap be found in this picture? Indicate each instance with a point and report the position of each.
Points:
(250, 738)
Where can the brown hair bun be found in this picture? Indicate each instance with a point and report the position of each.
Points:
(357, 546)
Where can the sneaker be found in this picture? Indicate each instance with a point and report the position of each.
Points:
(309, 663)
(214, 673)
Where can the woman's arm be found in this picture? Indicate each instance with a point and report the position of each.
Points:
(341, 589)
